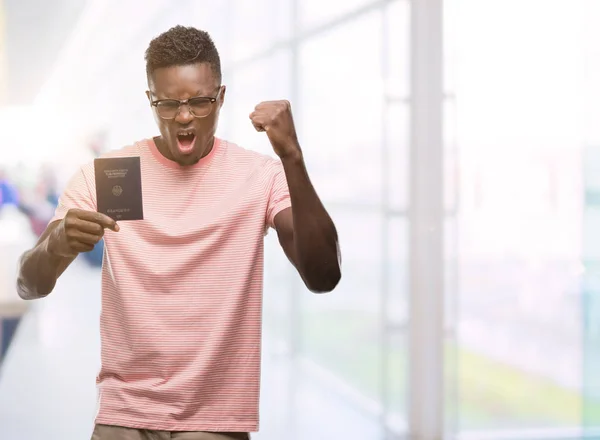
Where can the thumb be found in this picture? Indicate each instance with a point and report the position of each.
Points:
(109, 223)
(258, 126)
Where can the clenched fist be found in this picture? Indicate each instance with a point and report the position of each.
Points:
(79, 232)
(275, 119)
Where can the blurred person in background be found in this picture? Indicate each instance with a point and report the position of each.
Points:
(182, 289)
(39, 200)
(8, 191)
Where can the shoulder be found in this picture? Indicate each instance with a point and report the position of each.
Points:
(237, 155)
(135, 149)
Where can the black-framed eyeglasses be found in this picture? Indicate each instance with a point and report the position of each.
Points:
(199, 106)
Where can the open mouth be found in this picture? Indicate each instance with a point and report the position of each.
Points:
(185, 141)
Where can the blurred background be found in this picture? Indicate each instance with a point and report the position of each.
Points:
(456, 145)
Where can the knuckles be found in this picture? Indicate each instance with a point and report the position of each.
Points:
(274, 107)
(72, 224)
(70, 221)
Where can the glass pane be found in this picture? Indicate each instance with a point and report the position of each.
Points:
(315, 12)
(519, 320)
(451, 169)
(451, 47)
(591, 319)
(397, 155)
(395, 342)
(590, 304)
(342, 331)
(451, 286)
(520, 220)
(254, 26)
(397, 383)
(340, 111)
(452, 409)
(397, 49)
(591, 292)
(451, 275)
(320, 413)
(396, 272)
(591, 34)
(278, 303)
(266, 79)
(245, 89)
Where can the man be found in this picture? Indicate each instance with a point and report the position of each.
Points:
(182, 289)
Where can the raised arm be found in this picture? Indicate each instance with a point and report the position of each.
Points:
(305, 230)
(307, 234)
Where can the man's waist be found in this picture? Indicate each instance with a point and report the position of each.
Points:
(165, 407)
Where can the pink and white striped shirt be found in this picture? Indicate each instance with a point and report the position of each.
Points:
(182, 290)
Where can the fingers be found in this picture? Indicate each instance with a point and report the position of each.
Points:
(268, 113)
(83, 237)
(78, 247)
(90, 227)
(259, 121)
(270, 104)
(78, 239)
(100, 219)
(83, 242)
(75, 241)
(80, 231)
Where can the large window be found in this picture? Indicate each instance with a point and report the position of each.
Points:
(591, 214)
(521, 195)
(340, 117)
(256, 27)
(340, 103)
(518, 347)
(349, 97)
(313, 13)
(266, 78)
(348, 83)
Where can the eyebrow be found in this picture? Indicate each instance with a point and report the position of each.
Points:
(197, 95)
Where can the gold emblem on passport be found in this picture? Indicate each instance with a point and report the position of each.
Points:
(117, 190)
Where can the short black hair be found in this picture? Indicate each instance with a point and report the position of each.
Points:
(181, 46)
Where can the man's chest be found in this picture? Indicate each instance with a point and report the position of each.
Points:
(192, 222)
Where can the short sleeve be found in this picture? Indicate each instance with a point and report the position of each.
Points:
(279, 194)
(76, 195)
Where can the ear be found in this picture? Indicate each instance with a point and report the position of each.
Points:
(222, 96)
(148, 95)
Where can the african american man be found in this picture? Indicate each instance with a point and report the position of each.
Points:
(182, 289)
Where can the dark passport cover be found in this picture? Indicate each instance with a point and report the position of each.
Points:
(119, 187)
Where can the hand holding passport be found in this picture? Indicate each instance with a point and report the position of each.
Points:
(119, 188)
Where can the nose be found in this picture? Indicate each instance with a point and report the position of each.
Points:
(184, 116)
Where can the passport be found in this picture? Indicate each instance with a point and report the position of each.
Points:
(119, 188)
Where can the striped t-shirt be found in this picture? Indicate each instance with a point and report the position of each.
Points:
(182, 290)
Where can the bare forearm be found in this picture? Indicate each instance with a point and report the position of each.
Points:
(39, 269)
(315, 235)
